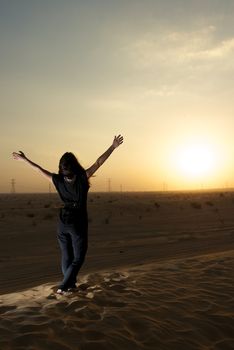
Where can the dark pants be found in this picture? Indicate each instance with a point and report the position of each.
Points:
(73, 241)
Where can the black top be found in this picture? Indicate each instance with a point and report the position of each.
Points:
(74, 195)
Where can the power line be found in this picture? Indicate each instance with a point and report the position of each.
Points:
(12, 185)
(109, 185)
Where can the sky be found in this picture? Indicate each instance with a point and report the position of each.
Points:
(159, 72)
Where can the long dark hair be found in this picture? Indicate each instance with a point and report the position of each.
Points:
(69, 164)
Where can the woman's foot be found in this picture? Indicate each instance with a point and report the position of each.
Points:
(60, 291)
(67, 291)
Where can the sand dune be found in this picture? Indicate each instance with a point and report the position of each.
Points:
(181, 304)
(158, 274)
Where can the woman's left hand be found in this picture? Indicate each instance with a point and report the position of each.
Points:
(19, 156)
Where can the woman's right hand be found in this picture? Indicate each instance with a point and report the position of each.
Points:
(19, 156)
(117, 141)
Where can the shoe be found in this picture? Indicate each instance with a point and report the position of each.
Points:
(60, 291)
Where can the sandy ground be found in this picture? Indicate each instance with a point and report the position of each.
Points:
(158, 274)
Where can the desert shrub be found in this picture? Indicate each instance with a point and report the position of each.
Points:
(157, 205)
(30, 215)
(196, 205)
(209, 203)
(47, 205)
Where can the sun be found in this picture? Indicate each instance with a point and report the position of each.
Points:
(196, 160)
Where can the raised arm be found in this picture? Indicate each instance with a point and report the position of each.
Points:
(21, 156)
(117, 141)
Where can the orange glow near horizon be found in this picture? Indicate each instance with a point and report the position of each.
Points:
(196, 160)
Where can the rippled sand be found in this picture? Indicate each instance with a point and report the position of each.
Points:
(181, 304)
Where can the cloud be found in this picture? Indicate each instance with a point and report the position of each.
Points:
(162, 91)
(179, 47)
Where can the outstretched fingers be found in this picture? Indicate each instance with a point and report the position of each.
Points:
(119, 139)
(19, 155)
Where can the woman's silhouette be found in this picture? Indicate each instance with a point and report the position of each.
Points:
(72, 185)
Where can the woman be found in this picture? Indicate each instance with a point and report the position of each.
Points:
(72, 185)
